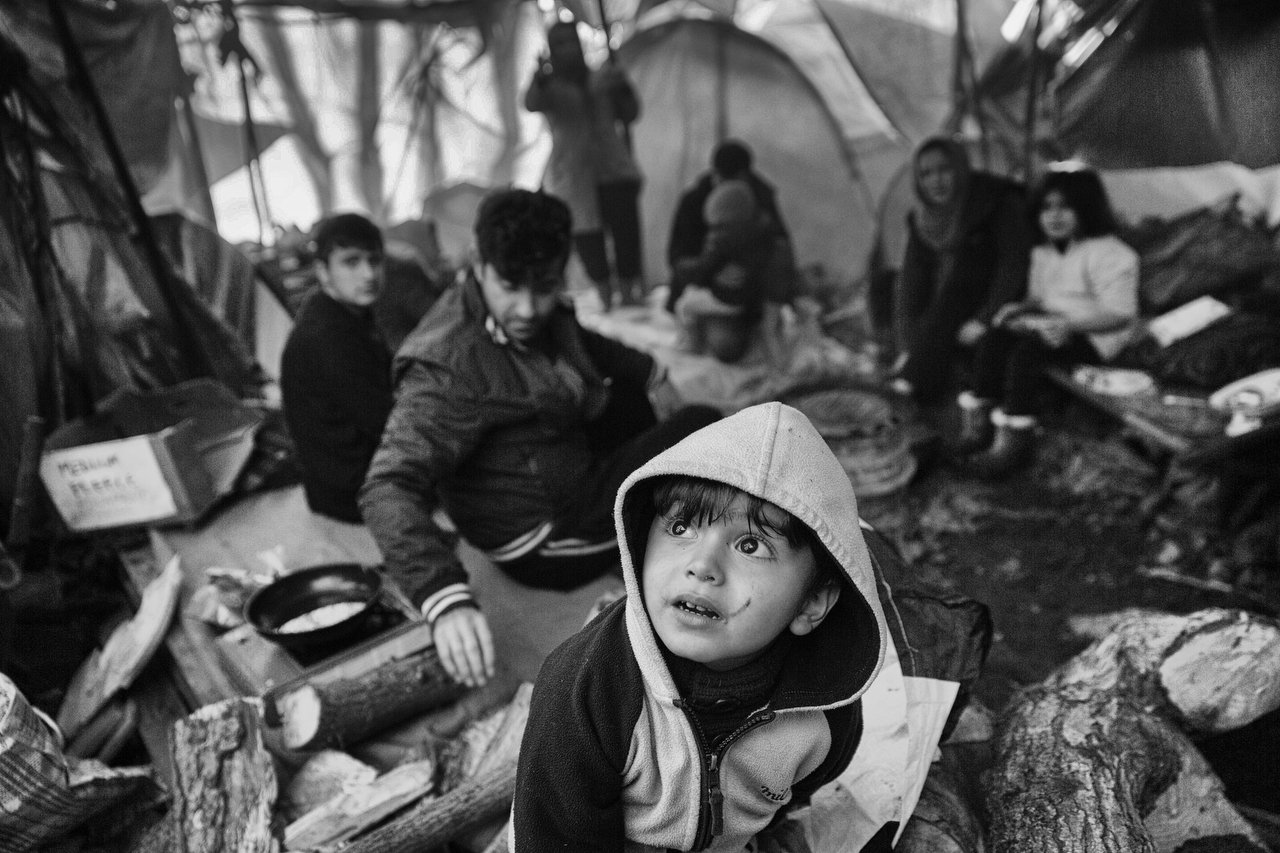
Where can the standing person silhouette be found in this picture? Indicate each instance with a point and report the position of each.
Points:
(591, 166)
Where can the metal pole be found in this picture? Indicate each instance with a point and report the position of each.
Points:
(1033, 95)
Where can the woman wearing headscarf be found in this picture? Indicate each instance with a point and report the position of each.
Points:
(968, 245)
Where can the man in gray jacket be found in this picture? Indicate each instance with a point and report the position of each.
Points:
(516, 421)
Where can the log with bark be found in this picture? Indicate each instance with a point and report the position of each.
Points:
(224, 785)
(1094, 758)
(478, 782)
(342, 712)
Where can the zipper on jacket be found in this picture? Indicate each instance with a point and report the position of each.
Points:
(711, 815)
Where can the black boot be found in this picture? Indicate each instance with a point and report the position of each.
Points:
(1013, 448)
(976, 429)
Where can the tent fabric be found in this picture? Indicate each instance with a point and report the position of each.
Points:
(832, 95)
(703, 80)
(1140, 84)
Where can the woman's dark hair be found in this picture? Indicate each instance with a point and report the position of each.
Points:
(525, 235)
(702, 501)
(1084, 193)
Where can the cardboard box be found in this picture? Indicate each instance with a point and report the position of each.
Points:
(154, 478)
(154, 457)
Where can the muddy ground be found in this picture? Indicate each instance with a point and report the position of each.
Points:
(1081, 534)
(1077, 535)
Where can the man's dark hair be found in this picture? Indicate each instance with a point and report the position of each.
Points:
(704, 501)
(1084, 194)
(523, 234)
(346, 231)
(731, 159)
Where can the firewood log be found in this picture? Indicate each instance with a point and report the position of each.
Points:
(225, 782)
(433, 822)
(1083, 758)
(487, 743)
(337, 713)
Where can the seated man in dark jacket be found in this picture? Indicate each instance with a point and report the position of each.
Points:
(516, 421)
(335, 373)
(731, 160)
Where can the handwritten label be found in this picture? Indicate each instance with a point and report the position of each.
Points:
(107, 484)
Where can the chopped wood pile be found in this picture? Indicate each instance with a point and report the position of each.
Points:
(1100, 755)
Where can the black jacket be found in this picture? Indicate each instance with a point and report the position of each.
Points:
(335, 380)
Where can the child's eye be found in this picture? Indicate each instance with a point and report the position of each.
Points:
(754, 546)
(678, 527)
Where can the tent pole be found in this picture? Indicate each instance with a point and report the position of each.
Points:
(608, 46)
(1033, 95)
(185, 337)
(195, 150)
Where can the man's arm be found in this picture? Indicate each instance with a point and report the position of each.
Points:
(433, 426)
(618, 361)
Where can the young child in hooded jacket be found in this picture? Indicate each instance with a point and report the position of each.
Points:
(725, 687)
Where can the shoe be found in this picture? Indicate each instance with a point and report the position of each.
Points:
(1013, 448)
(976, 429)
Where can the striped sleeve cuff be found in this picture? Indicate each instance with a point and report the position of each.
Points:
(453, 595)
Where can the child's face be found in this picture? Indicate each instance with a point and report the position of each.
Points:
(720, 592)
(352, 276)
(1057, 219)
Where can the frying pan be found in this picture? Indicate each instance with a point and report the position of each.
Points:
(303, 591)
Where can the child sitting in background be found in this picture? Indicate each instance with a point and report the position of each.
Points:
(726, 686)
(740, 281)
(1081, 306)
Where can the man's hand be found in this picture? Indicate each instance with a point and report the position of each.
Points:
(465, 644)
(970, 333)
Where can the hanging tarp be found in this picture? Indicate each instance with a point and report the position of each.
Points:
(1139, 84)
(131, 54)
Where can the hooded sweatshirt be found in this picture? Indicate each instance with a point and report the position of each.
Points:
(612, 757)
